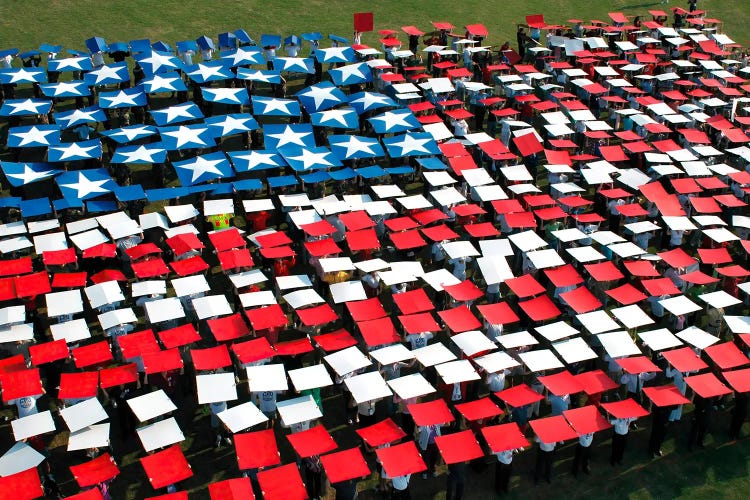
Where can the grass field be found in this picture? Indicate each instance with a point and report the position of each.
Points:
(719, 471)
(69, 22)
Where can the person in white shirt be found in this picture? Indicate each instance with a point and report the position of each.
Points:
(266, 402)
(187, 57)
(269, 52)
(97, 59)
(675, 238)
(418, 340)
(6, 62)
(300, 426)
(496, 381)
(679, 381)
(619, 439)
(292, 50)
(207, 54)
(26, 405)
(493, 293)
(459, 267)
(503, 470)
(371, 281)
(493, 330)
(437, 253)
(366, 413)
(460, 128)
(216, 408)
(401, 487)
(583, 454)
(545, 456)
(427, 435)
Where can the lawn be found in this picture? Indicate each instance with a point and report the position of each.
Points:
(70, 22)
(720, 471)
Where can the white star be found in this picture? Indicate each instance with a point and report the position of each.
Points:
(81, 116)
(185, 135)
(333, 52)
(256, 158)
(121, 98)
(64, 87)
(258, 76)
(311, 159)
(142, 153)
(85, 186)
(392, 119)
(354, 145)
(72, 150)
(70, 63)
(34, 136)
(242, 56)
(409, 144)
(21, 75)
(276, 104)
(30, 175)
(157, 82)
(174, 112)
(321, 95)
(207, 71)
(133, 132)
(26, 105)
(231, 124)
(334, 115)
(292, 64)
(369, 99)
(106, 72)
(351, 69)
(289, 136)
(157, 60)
(202, 166)
(221, 94)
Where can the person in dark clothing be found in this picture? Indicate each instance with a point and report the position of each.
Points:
(521, 39)
(345, 490)
(313, 476)
(659, 420)
(702, 412)
(739, 414)
(456, 480)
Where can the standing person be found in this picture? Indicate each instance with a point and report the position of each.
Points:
(679, 381)
(583, 454)
(739, 414)
(216, 425)
(366, 413)
(313, 469)
(659, 419)
(427, 435)
(456, 481)
(266, 402)
(26, 405)
(503, 470)
(269, 53)
(521, 39)
(702, 411)
(406, 420)
(401, 487)
(371, 282)
(545, 456)
(345, 490)
(621, 426)
(558, 404)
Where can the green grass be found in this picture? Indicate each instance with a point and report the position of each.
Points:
(70, 22)
(720, 471)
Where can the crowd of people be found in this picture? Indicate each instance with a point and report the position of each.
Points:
(424, 262)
